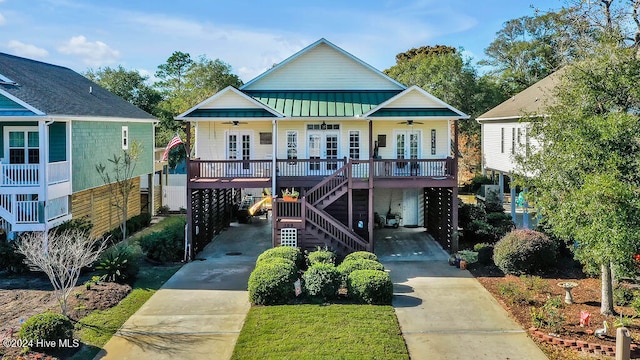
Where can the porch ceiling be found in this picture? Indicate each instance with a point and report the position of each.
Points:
(322, 103)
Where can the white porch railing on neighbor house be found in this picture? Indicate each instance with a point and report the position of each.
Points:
(19, 174)
(6, 202)
(27, 212)
(4, 224)
(58, 172)
(56, 208)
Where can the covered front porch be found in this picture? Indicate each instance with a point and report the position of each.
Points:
(35, 174)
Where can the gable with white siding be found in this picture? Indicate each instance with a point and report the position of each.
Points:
(322, 66)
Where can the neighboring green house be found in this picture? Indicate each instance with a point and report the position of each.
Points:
(55, 126)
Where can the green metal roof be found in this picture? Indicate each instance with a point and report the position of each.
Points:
(230, 113)
(304, 103)
(403, 112)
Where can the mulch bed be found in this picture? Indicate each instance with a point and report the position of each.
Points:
(536, 292)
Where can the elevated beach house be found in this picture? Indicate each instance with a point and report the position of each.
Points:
(505, 133)
(357, 146)
(55, 126)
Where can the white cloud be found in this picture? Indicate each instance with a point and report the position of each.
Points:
(27, 50)
(92, 53)
(2, 19)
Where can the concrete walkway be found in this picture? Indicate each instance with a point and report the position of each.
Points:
(199, 312)
(444, 312)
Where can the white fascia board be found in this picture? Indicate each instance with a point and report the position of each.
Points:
(220, 93)
(426, 94)
(315, 44)
(22, 103)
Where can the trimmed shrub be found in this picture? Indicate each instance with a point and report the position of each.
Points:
(525, 252)
(165, 246)
(292, 254)
(119, 263)
(350, 265)
(322, 281)
(485, 253)
(321, 257)
(361, 255)
(47, 326)
(370, 287)
(271, 282)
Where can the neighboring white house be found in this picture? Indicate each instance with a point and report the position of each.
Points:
(505, 132)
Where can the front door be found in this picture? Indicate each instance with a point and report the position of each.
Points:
(239, 148)
(22, 145)
(407, 147)
(322, 146)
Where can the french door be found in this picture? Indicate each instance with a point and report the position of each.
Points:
(322, 146)
(407, 147)
(239, 148)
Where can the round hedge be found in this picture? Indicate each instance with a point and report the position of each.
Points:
(370, 287)
(292, 254)
(271, 282)
(361, 255)
(47, 326)
(321, 256)
(322, 281)
(350, 265)
(524, 252)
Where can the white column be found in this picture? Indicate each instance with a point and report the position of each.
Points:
(513, 202)
(501, 186)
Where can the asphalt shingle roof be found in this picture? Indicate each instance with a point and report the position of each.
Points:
(56, 90)
(532, 100)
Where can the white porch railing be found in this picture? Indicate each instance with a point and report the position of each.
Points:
(4, 224)
(5, 202)
(58, 172)
(27, 212)
(19, 174)
(56, 208)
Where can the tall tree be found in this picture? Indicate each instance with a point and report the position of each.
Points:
(529, 48)
(446, 74)
(587, 167)
(129, 85)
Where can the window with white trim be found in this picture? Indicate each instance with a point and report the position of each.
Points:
(292, 144)
(125, 138)
(354, 144)
(433, 141)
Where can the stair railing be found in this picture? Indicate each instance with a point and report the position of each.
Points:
(325, 187)
(334, 229)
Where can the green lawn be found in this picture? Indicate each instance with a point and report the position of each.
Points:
(95, 329)
(321, 332)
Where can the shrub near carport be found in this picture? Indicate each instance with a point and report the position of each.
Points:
(525, 252)
(321, 281)
(271, 282)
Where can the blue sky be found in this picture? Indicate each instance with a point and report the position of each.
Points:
(249, 35)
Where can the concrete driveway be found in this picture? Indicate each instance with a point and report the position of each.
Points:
(199, 312)
(444, 312)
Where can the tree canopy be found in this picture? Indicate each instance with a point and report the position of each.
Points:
(129, 85)
(586, 172)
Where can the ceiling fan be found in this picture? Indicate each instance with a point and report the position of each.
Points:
(234, 123)
(410, 122)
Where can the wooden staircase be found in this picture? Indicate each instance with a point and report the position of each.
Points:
(319, 228)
